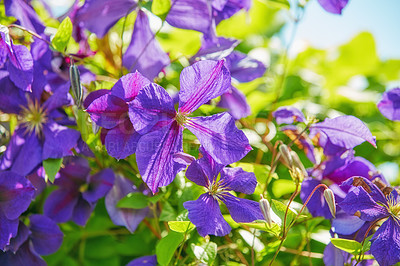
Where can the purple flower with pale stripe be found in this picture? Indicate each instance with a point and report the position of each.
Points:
(389, 106)
(372, 202)
(219, 181)
(153, 110)
(16, 194)
(333, 6)
(78, 192)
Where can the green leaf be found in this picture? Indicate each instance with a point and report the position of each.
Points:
(279, 209)
(279, 3)
(282, 187)
(273, 229)
(205, 253)
(133, 201)
(167, 213)
(82, 123)
(160, 7)
(166, 247)
(181, 226)
(64, 32)
(348, 245)
(51, 167)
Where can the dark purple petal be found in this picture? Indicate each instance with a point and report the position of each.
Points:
(122, 140)
(202, 82)
(46, 235)
(59, 98)
(82, 211)
(333, 6)
(238, 180)
(24, 256)
(20, 238)
(130, 218)
(144, 53)
(16, 194)
(385, 243)
(220, 137)
(356, 167)
(205, 214)
(107, 110)
(26, 15)
(376, 194)
(20, 67)
(75, 170)
(390, 104)
(215, 48)
(317, 205)
(345, 131)
(288, 115)
(152, 104)
(11, 97)
(244, 68)
(60, 205)
(9, 229)
(94, 95)
(235, 101)
(231, 7)
(128, 86)
(243, 210)
(99, 185)
(190, 14)
(144, 261)
(59, 140)
(155, 156)
(99, 16)
(333, 256)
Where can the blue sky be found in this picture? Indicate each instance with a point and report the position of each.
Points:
(380, 17)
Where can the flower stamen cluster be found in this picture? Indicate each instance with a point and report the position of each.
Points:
(34, 116)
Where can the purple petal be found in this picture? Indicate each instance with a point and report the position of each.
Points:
(144, 261)
(238, 180)
(11, 97)
(356, 167)
(75, 170)
(107, 110)
(376, 194)
(243, 210)
(9, 229)
(59, 140)
(345, 131)
(190, 14)
(183, 158)
(26, 15)
(333, 256)
(122, 140)
(215, 49)
(128, 86)
(144, 53)
(202, 82)
(99, 185)
(231, 8)
(94, 95)
(385, 243)
(20, 67)
(82, 211)
(46, 235)
(235, 101)
(16, 194)
(60, 205)
(345, 224)
(317, 205)
(205, 214)
(20, 238)
(333, 6)
(24, 256)
(59, 98)
(99, 16)
(130, 218)
(389, 106)
(244, 68)
(220, 137)
(151, 105)
(37, 178)
(155, 156)
(288, 115)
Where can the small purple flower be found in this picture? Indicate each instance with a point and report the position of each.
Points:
(78, 192)
(16, 194)
(218, 181)
(144, 261)
(153, 110)
(373, 203)
(288, 115)
(390, 104)
(333, 6)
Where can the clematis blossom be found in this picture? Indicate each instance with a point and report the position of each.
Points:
(389, 106)
(288, 115)
(333, 6)
(152, 113)
(219, 181)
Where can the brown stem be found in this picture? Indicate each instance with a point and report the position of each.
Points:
(154, 231)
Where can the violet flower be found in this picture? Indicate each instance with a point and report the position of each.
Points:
(78, 192)
(144, 261)
(41, 134)
(333, 6)
(109, 110)
(218, 181)
(16, 194)
(153, 109)
(26, 15)
(42, 237)
(389, 106)
(372, 203)
(288, 115)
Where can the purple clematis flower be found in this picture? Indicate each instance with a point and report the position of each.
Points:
(333, 6)
(130, 218)
(144, 261)
(26, 15)
(78, 192)
(288, 115)
(153, 109)
(109, 109)
(218, 181)
(373, 202)
(43, 237)
(390, 104)
(16, 194)
(17, 60)
(41, 134)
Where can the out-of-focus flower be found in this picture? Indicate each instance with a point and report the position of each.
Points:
(333, 6)
(288, 115)
(390, 104)
(144, 261)
(26, 15)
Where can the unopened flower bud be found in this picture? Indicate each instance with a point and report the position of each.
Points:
(286, 156)
(95, 128)
(265, 210)
(330, 200)
(76, 86)
(298, 164)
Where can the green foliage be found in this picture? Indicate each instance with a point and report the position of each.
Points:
(134, 200)
(51, 167)
(280, 209)
(160, 7)
(166, 247)
(181, 226)
(64, 32)
(205, 253)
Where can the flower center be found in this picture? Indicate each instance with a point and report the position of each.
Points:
(34, 116)
(218, 188)
(181, 118)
